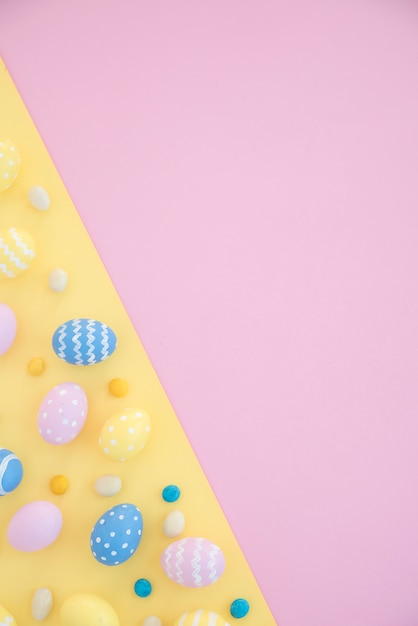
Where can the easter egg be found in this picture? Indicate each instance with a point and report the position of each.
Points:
(62, 413)
(11, 471)
(125, 434)
(116, 534)
(17, 251)
(201, 618)
(6, 618)
(84, 341)
(8, 326)
(9, 164)
(87, 609)
(193, 562)
(34, 526)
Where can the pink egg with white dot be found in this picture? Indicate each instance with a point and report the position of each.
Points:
(62, 414)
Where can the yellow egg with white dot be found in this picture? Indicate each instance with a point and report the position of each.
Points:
(17, 251)
(6, 618)
(9, 164)
(125, 434)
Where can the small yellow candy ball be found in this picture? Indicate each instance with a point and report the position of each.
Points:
(36, 366)
(59, 485)
(118, 387)
(9, 164)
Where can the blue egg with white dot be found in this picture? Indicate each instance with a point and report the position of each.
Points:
(116, 534)
(11, 471)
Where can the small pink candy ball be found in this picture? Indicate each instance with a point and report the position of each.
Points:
(8, 328)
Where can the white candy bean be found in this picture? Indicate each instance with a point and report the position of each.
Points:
(58, 280)
(41, 603)
(174, 524)
(152, 620)
(39, 199)
(108, 485)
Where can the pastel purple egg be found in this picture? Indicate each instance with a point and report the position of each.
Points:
(8, 327)
(193, 562)
(62, 413)
(34, 526)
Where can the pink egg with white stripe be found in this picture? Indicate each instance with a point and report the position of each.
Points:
(193, 562)
(62, 413)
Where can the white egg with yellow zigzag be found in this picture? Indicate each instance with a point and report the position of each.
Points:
(17, 251)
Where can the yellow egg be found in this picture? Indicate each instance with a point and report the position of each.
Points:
(17, 251)
(201, 618)
(125, 434)
(6, 619)
(9, 164)
(87, 609)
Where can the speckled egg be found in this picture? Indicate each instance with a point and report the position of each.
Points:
(8, 327)
(84, 341)
(116, 534)
(6, 618)
(125, 434)
(201, 618)
(17, 251)
(193, 562)
(62, 413)
(34, 526)
(87, 609)
(11, 471)
(9, 164)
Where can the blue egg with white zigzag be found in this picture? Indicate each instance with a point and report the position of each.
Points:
(116, 534)
(83, 341)
(11, 471)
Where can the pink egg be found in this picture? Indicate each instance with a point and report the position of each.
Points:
(193, 562)
(35, 526)
(62, 413)
(8, 328)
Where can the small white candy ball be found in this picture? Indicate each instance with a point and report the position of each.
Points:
(174, 524)
(58, 280)
(39, 199)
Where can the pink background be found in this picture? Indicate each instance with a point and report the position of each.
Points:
(248, 173)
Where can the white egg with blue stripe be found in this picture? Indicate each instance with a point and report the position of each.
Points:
(116, 534)
(84, 341)
(11, 471)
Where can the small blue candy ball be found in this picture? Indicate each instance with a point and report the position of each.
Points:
(11, 471)
(143, 588)
(171, 493)
(239, 608)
